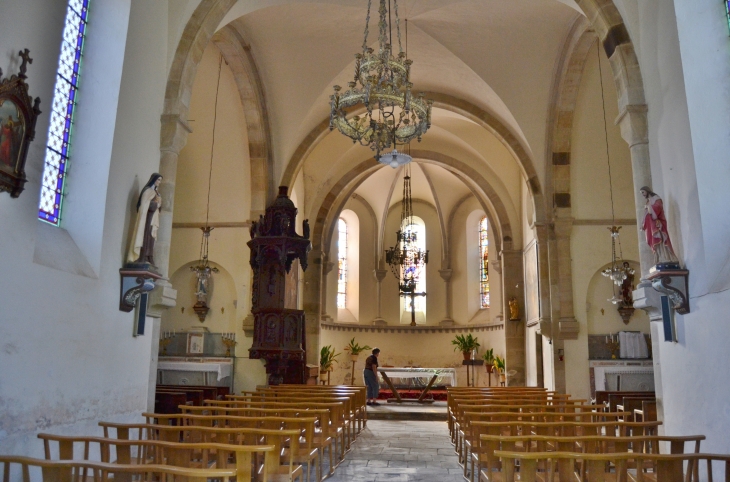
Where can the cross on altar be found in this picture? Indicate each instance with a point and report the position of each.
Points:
(409, 290)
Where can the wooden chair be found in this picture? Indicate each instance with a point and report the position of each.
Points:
(156, 452)
(611, 467)
(76, 471)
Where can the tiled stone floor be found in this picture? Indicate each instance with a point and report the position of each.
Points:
(401, 451)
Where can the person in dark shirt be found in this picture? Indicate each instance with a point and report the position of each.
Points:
(370, 373)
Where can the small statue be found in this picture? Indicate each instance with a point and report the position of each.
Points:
(147, 223)
(305, 228)
(627, 286)
(514, 310)
(655, 227)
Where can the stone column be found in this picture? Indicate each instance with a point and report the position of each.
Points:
(634, 130)
(446, 276)
(311, 299)
(648, 299)
(327, 267)
(379, 277)
(545, 290)
(567, 324)
(514, 286)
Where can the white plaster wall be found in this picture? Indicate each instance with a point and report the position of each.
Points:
(682, 72)
(68, 356)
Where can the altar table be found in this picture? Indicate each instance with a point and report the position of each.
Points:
(218, 368)
(419, 376)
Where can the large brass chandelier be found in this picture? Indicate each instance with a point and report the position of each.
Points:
(406, 261)
(393, 115)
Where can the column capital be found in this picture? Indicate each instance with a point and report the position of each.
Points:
(446, 274)
(161, 298)
(633, 121)
(380, 274)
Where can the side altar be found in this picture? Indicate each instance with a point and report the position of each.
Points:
(279, 334)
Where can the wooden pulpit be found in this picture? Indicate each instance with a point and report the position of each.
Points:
(279, 334)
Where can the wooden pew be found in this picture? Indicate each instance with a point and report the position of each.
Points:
(168, 402)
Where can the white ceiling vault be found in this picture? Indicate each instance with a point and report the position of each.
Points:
(496, 56)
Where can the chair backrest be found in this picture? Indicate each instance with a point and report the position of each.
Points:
(80, 471)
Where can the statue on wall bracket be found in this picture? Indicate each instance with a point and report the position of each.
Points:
(18, 115)
(139, 273)
(666, 276)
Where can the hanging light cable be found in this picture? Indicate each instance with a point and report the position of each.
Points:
(619, 270)
(203, 270)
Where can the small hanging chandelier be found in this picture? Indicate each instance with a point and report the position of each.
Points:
(203, 270)
(406, 261)
(393, 115)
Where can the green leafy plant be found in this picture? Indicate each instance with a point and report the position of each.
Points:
(465, 343)
(488, 357)
(499, 364)
(354, 348)
(327, 357)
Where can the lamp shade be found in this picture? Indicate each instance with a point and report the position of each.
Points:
(395, 159)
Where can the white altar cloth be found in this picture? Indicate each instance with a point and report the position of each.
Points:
(443, 374)
(224, 369)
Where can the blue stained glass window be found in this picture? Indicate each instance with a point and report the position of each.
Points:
(64, 101)
(484, 263)
(727, 11)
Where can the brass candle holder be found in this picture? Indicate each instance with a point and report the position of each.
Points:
(229, 339)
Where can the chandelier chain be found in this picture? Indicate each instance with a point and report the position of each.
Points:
(367, 28)
(383, 25)
(397, 25)
(605, 130)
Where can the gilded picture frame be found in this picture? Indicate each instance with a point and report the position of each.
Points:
(18, 115)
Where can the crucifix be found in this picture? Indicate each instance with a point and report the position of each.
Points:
(408, 290)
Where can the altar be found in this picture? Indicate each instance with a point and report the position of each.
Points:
(214, 371)
(420, 378)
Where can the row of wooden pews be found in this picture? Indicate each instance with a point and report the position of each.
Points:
(273, 434)
(508, 434)
(169, 397)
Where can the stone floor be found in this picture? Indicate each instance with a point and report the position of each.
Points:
(401, 451)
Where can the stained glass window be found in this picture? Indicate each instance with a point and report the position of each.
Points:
(419, 239)
(727, 11)
(341, 263)
(483, 263)
(64, 102)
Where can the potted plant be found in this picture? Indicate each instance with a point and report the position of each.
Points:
(465, 344)
(355, 349)
(327, 357)
(500, 366)
(488, 358)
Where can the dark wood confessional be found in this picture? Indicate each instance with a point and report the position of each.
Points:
(279, 334)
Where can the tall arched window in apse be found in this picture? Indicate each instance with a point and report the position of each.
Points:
(62, 113)
(341, 263)
(418, 227)
(483, 263)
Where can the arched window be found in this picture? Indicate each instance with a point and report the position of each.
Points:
(483, 263)
(341, 264)
(63, 105)
(417, 227)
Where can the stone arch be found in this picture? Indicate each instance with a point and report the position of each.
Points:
(237, 53)
(453, 104)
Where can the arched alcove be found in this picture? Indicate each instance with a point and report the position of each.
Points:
(222, 301)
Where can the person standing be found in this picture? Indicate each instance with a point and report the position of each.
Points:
(370, 373)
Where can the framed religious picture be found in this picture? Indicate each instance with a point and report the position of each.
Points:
(195, 343)
(18, 114)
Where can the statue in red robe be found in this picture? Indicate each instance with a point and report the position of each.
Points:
(655, 228)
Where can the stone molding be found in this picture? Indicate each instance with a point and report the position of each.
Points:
(427, 329)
